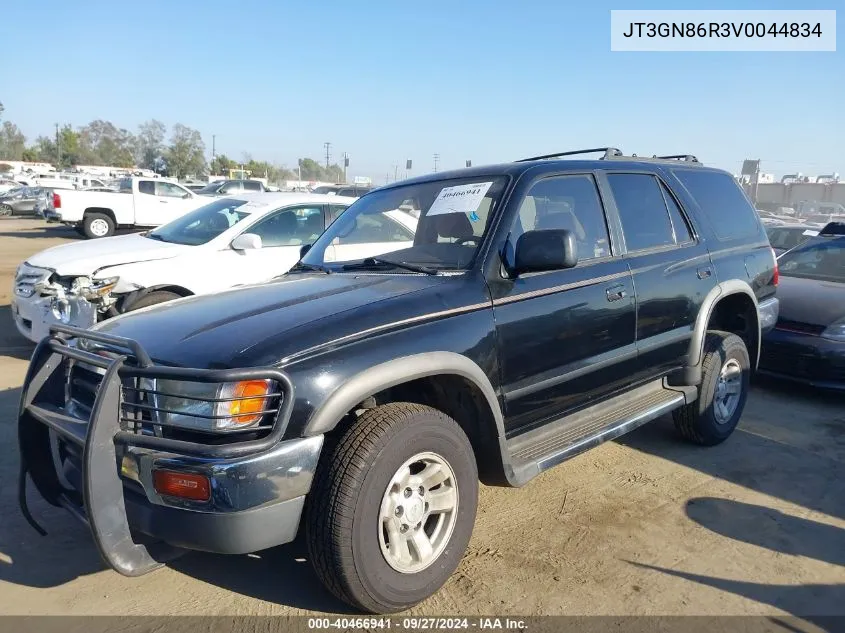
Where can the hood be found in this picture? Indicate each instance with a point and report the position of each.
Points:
(810, 300)
(264, 324)
(88, 256)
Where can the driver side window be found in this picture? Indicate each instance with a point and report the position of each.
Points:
(290, 227)
(564, 202)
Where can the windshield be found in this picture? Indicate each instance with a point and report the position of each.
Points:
(212, 187)
(438, 225)
(823, 260)
(201, 225)
(787, 238)
(323, 189)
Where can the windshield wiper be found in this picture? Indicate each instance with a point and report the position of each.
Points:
(375, 262)
(317, 267)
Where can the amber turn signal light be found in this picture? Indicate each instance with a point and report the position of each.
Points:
(182, 485)
(254, 394)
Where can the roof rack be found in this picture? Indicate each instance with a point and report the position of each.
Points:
(689, 158)
(609, 152)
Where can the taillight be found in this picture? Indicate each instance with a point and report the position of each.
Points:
(57, 201)
(776, 276)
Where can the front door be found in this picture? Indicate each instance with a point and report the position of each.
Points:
(565, 337)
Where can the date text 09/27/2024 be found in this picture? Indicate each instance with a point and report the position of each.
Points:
(417, 623)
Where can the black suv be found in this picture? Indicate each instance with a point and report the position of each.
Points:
(533, 310)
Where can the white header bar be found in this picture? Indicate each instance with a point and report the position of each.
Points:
(723, 30)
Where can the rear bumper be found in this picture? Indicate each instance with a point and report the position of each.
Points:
(803, 358)
(102, 470)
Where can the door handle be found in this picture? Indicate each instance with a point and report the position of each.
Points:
(704, 273)
(615, 293)
(162, 201)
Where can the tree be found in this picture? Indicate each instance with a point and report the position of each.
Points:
(186, 153)
(221, 165)
(12, 141)
(30, 154)
(100, 142)
(149, 143)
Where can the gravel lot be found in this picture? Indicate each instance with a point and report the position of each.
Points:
(645, 525)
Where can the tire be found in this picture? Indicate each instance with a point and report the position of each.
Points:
(97, 225)
(6, 210)
(345, 533)
(153, 298)
(704, 421)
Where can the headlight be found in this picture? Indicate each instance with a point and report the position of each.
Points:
(835, 331)
(212, 406)
(93, 288)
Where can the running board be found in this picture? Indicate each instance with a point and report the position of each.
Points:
(540, 449)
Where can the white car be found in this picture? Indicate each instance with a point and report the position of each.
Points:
(230, 241)
(143, 202)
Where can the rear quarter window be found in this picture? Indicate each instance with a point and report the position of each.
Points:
(726, 206)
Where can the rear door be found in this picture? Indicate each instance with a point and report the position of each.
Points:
(670, 265)
(565, 337)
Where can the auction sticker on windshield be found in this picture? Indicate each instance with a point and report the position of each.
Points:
(459, 199)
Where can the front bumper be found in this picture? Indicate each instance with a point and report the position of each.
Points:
(33, 315)
(102, 471)
(804, 358)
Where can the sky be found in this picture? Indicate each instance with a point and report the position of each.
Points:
(486, 81)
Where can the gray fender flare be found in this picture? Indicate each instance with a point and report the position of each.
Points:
(696, 345)
(397, 371)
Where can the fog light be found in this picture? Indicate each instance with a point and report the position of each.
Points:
(60, 309)
(182, 485)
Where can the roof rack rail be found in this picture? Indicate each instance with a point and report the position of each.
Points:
(684, 157)
(609, 152)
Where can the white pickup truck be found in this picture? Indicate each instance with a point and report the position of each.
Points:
(141, 202)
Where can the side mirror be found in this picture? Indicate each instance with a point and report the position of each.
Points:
(246, 242)
(547, 249)
(303, 250)
(187, 195)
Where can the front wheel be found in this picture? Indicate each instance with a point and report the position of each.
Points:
(726, 371)
(392, 507)
(5, 209)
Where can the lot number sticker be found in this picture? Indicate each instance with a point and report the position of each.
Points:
(460, 199)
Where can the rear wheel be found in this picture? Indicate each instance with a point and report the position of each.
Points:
(153, 298)
(392, 507)
(5, 209)
(97, 225)
(726, 370)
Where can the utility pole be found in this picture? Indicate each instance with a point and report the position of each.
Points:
(436, 160)
(345, 165)
(327, 145)
(395, 173)
(58, 149)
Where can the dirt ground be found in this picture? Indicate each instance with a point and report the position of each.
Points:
(644, 525)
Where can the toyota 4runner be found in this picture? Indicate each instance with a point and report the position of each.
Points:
(544, 307)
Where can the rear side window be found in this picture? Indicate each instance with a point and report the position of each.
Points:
(679, 222)
(252, 185)
(724, 203)
(147, 186)
(642, 210)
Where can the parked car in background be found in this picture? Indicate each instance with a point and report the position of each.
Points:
(784, 237)
(351, 191)
(7, 185)
(808, 343)
(138, 202)
(229, 241)
(230, 187)
(823, 219)
(22, 201)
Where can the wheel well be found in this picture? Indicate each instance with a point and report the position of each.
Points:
(177, 290)
(736, 313)
(463, 401)
(107, 212)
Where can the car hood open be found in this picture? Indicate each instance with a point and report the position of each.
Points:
(88, 256)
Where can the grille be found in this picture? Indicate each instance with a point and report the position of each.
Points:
(798, 326)
(83, 385)
(27, 277)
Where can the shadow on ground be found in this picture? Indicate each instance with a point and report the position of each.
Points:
(796, 474)
(280, 575)
(41, 230)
